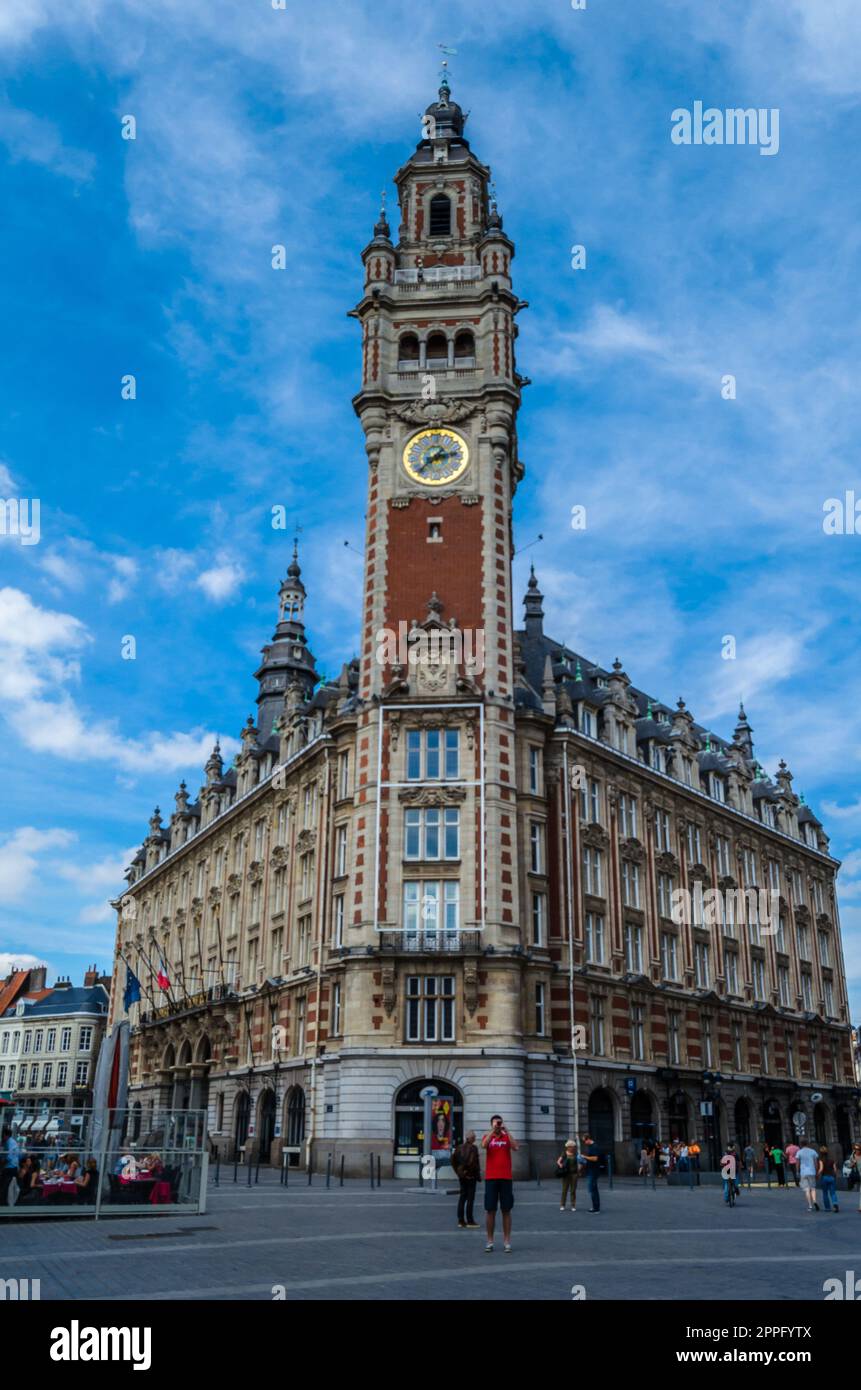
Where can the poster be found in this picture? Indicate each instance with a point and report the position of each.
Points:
(440, 1124)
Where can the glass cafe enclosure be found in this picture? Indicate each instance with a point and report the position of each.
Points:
(73, 1163)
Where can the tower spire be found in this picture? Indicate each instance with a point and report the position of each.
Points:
(287, 659)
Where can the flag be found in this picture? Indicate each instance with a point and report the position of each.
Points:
(132, 991)
(162, 976)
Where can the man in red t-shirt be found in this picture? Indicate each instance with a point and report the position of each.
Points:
(498, 1184)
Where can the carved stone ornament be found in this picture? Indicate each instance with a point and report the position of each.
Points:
(700, 872)
(432, 796)
(255, 871)
(234, 883)
(306, 840)
(632, 849)
(595, 836)
(214, 897)
(279, 856)
(470, 985)
(666, 862)
(390, 991)
(434, 412)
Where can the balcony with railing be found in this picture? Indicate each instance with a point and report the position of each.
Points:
(414, 279)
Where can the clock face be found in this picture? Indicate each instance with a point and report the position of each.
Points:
(435, 457)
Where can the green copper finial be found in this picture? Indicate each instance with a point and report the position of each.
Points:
(578, 674)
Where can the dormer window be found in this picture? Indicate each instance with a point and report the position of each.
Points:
(766, 812)
(657, 758)
(587, 721)
(718, 787)
(440, 216)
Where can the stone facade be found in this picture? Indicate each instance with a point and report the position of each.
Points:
(455, 864)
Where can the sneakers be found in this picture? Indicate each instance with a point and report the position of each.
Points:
(472, 1225)
(507, 1249)
(488, 1249)
(461, 1225)
(561, 1208)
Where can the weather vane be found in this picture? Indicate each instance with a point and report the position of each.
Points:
(449, 53)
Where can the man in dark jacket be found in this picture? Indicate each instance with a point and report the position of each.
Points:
(468, 1172)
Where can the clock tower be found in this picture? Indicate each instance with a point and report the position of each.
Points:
(436, 742)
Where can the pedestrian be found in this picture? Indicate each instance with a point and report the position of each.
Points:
(467, 1170)
(498, 1182)
(684, 1159)
(568, 1168)
(777, 1160)
(827, 1172)
(590, 1158)
(792, 1160)
(645, 1167)
(808, 1162)
(749, 1161)
(729, 1173)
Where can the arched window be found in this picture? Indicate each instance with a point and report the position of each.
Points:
(440, 215)
(464, 350)
(408, 353)
(437, 350)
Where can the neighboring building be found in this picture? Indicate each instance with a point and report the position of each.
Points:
(49, 1042)
(410, 872)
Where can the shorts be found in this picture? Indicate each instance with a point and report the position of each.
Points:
(498, 1192)
(808, 1184)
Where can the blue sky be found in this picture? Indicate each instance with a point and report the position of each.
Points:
(257, 126)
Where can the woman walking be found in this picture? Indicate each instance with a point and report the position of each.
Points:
(856, 1158)
(827, 1173)
(567, 1168)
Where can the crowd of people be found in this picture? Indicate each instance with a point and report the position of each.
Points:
(811, 1169)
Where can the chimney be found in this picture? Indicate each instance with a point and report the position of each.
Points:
(63, 983)
(37, 978)
(91, 978)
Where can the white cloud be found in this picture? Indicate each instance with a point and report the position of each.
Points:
(96, 913)
(10, 960)
(19, 858)
(221, 580)
(30, 137)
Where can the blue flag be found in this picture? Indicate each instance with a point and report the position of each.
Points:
(132, 991)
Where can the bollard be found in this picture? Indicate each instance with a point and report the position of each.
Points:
(249, 1173)
(610, 1171)
(341, 1184)
(690, 1176)
(217, 1168)
(236, 1170)
(421, 1172)
(310, 1171)
(379, 1167)
(257, 1173)
(371, 1162)
(328, 1170)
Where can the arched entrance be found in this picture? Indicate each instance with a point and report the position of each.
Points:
(242, 1117)
(642, 1117)
(410, 1140)
(772, 1123)
(677, 1116)
(266, 1124)
(820, 1123)
(294, 1125)
(601, 1121)
(742, 1124)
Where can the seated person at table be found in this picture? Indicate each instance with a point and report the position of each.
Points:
(87, 1182)
(29, 1179)
(152, 1165)
(72, 1164)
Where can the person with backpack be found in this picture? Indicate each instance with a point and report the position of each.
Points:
(749, 1157)
(568, 1168)
(467, 1170)
(729, 1173)
(827, 1172)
